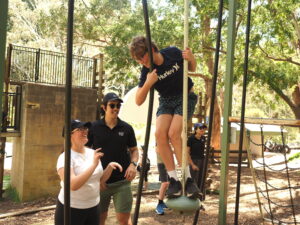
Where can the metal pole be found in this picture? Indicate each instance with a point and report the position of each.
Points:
(227, 112)
(245, 80)
(68, 100)
(149, 116)
(3, 30)
(212, 107)
(3, 27)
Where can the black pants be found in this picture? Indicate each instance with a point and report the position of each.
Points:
(197, 174)
(88, 216)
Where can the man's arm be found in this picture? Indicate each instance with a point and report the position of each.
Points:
(131, 170)
(142, 92)
(134, 154)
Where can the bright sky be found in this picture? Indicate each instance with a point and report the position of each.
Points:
(152, 2)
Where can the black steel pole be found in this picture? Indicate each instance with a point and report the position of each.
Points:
(149, 116)
(245, 80)
(68, 100)
(3, 31)
(211, 111)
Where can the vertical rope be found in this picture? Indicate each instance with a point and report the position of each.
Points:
(265, 173)
(185, 96)
(245, 80)
(288, 175)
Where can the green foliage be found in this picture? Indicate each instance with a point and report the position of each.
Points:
(6, 181)
(295, 156)
(107, 26)
(12, 194)
(9, 191)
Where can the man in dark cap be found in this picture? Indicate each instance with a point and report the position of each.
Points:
(117, 140)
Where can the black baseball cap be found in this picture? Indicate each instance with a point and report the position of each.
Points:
(111, 97)
(200, 126)
(77, 124)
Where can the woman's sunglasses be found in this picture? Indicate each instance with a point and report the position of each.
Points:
(112, 106)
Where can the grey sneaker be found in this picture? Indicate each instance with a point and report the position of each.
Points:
(191, 189)
(174, 189)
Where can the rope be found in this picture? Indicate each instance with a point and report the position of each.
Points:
(185, 96)
(276, 220)
(279, 205)
(272, 186)
(288, 177)
(266, 193)
(276, 170)
(265, 174)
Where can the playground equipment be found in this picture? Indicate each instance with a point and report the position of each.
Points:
(227, 109)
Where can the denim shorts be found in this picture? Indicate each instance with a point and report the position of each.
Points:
(163, 175)
(173, 105)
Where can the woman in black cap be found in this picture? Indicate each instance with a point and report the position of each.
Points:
(86, 174)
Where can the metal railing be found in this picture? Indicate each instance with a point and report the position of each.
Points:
(11, 118)
(48, 67)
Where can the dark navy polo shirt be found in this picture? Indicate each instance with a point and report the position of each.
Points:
(170, 73)
(114, 143)
(197, 146)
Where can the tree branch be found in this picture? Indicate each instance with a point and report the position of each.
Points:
(214, 49)
(280, 93)
(204, 77)
(287, 59)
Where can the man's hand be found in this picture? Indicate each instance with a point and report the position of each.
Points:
(152, 77)
(187, 54)
(130, 172)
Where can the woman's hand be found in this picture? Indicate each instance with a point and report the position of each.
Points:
(97, 156)
(115, 165)
(194, 167)
(107, 172)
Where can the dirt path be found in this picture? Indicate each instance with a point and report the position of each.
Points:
(248, 208)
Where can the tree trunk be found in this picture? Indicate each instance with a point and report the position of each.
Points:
(296, 100)
(209, 61)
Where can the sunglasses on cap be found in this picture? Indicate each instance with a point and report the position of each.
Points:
(112, 105)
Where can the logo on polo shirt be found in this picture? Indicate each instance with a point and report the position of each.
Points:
(121, 133)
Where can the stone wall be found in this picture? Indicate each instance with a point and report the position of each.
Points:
(35, 153)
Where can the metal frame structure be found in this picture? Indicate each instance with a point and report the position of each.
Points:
(227, 103)
(149, 116)
(3, 30)
(227, 112)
